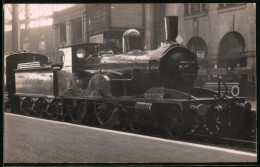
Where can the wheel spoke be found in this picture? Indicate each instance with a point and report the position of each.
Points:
(100, 111)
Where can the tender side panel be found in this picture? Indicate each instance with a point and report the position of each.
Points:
(35, 83)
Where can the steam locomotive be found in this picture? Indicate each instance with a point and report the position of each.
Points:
(134, 89)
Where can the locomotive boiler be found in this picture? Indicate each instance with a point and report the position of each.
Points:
(134, 89)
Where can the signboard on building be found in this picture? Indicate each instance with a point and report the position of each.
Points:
(200, 54)
(218, 71)
(242, 70)
(202, 72)
(96, 39)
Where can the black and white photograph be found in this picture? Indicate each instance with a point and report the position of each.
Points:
(129, 83)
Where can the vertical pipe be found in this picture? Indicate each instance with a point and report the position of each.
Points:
(171, 28)
(27, 16)
(15, 28)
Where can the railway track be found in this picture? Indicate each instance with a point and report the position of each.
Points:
(236, 144)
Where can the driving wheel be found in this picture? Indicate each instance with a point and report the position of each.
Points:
(175, 126)
(77, 111)
(106, 114)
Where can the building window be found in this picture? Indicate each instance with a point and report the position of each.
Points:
(63, 32)
(77, 30)
(194, 8)
(186, 9)
(225, 5)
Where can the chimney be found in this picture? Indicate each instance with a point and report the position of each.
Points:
(171, 28)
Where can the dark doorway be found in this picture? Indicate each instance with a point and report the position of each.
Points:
(198, 46)
(231, 51)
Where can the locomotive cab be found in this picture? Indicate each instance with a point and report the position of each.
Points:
(84, 55)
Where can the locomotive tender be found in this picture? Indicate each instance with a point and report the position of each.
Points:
(135, 89)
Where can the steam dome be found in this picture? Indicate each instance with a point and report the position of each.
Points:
(131, 40)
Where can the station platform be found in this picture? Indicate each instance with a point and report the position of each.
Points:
(33, 140)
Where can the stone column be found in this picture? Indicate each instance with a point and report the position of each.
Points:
(15, 28)
(149, 25)
(68, 32)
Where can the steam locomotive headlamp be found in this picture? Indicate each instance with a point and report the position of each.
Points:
(81, 53)
(235, 91)
(201, 109)
(246, 106)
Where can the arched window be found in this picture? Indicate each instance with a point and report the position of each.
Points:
(231, 51)
(199, 47)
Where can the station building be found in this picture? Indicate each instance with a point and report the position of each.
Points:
(221, 34)
(97, 23)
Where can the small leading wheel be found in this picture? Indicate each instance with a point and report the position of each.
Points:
(105, 113)
(77, 111)
(175, 126)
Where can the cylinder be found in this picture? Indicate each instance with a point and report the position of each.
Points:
(171, 28)
(143, 106)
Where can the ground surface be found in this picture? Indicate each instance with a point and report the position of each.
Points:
(30, 140)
